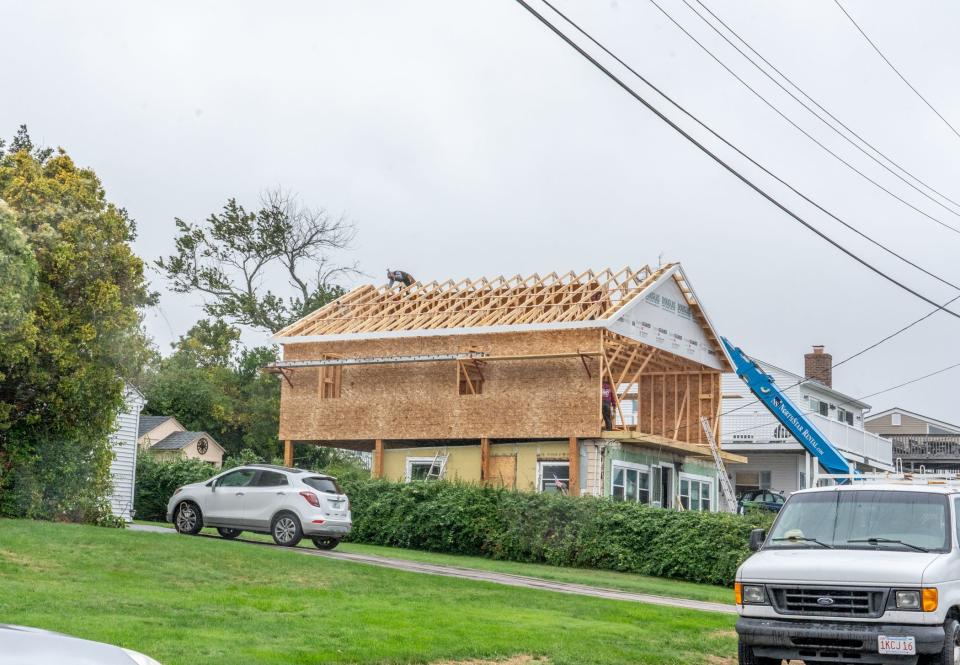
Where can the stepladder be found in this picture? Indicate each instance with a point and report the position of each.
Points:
(438, 466)
(726, 489)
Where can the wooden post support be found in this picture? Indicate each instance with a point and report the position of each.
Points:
(288, 453)
(574, 454)
(484, 460)
(377, 471)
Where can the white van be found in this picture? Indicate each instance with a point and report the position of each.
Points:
(859, 573)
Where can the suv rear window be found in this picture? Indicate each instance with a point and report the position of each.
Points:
(328, 485)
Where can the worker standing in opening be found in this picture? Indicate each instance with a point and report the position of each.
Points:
(609, 398)
(400, 276)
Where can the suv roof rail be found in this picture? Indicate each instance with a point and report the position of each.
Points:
(290, 469)
(263, 465)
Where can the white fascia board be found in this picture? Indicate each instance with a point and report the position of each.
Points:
(442, 332)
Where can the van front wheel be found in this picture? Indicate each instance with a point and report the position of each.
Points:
(745, 656)
(951, 646)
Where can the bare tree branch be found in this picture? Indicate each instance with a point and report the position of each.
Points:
(228, 257)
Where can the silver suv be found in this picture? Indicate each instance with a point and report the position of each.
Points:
(286, 503)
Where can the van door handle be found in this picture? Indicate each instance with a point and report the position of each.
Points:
(239, 493)
(281, 493)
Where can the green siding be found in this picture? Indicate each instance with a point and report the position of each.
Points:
(651, 457)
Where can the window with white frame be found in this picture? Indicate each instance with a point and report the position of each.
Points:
(553, 477)
(819, 406)
(895, 419)
(630, 482)
(844, 416)
(696, 493)
(425, 468)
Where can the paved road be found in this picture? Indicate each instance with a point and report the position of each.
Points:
(488, 576)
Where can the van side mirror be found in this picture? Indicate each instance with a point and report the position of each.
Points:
(757, 536)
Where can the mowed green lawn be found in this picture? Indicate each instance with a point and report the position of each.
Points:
(608, 579)
(199, 600)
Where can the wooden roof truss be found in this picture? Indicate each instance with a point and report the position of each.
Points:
(500, 301)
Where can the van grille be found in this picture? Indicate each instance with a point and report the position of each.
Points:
(834, 602)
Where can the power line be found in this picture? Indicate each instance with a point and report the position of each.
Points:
(713, 156)
(690, 115)
(857, 399)
(896, 71)
(850, 357)
(768, 172)
(741, 152)
(798, 127)
(819, 106)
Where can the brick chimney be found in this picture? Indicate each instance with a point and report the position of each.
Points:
(819, 366)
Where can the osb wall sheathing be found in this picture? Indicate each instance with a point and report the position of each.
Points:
(520, 399)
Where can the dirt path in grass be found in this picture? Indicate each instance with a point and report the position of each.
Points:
(487, 576)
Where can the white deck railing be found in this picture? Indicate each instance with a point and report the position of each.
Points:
(763, 428)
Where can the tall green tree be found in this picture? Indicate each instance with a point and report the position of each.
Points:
(212, 383)
(18, 275)
(233, 254)
(79, 289)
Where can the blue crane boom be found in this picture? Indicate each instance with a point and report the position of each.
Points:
(762, 385)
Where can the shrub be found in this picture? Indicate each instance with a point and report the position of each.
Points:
(548, 528)
(157, 480)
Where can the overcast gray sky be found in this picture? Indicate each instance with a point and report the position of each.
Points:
(465, 140)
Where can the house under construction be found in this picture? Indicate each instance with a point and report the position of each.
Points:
(499, 381)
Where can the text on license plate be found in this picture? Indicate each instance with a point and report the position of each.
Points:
(902, 646)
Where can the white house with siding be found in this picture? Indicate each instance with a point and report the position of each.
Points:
(123, 468)
(777, 461)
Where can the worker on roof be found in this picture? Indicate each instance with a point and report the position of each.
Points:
(608, 399)
(400, 276)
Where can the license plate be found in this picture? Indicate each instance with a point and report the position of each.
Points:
(900, 646)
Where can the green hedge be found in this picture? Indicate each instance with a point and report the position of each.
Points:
(553, 529)
(156, 481)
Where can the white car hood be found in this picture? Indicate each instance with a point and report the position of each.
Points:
(833, 567)
(20, 645)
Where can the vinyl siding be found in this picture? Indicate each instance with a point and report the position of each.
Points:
(784, 469)
(124, 464)
(908, 425)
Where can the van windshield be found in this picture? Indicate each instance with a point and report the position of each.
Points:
(327, 485)
(864, 519)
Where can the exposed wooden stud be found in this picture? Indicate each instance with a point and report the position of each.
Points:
(485, 476)
(676, 427)
(377, 469)
(288, 453)
(574, 458)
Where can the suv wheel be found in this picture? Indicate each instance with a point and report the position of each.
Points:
(745, 656)
(229, 534)
(325, 542)
(951, 646)
(187, 519)
(286, 530)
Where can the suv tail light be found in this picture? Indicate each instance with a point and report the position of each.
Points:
(311, 498)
